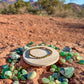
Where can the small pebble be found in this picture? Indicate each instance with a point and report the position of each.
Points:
(53, 66)
(8, 73)
(5, 66)
(12, 67)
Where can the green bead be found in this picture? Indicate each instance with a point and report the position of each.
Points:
(19, 76)
(75, 54)
(15, 78)
(23, 78)
(15, 72)
(8, 73)
(52, 69)
(18, 52)
(52, 82)
(81, 62)
(12, 67)
(63, 60)
(70, 60)
(51, 78)
(16, 82)
(10, 60)
(69, 54)
(31, 75)
(64, 82)
(53, 66)
(24, 71)
(31, 43)
(68, 57)
(62, 53)
(58, 69)
(79, 58)
(5, 66)
(19, 68)
(57, 82)
(45, 80)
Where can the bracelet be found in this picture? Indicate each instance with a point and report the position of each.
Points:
(40, 48)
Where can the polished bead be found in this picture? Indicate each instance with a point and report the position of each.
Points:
(12, 67)
(55, 75)
(15, 78)
(52, 69)
(67, 72)
(81, 62)
(64, 82)
(51, 78)
(63, 60)
(31, 75)
(68, 57)
(79, 58)
(5, 66)
(19, 68)
(8, 73)
(53, 66)
(15, 71)
(24, 71)
(67, 49)
(52, 82)
(10, 60)
(62, 53)
(57, 82)
(23, 78)
(45, 80)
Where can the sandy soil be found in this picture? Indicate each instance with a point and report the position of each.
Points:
(18, 30)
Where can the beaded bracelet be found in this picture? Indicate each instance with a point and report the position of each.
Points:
(40, 48)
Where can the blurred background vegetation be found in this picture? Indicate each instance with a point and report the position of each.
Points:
(55, 8)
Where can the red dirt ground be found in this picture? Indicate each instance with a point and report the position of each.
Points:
(17, 30)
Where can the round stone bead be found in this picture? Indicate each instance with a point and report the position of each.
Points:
(51, 78)
(52, 69)
(31, 75)
(24, 71)
(52, 82)
(67, 49)
(18, 52)
(62, 53)
(53, 66)
(16, 82)
(64, 82)
(65, 79)
(45, 80)
(63, 60)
